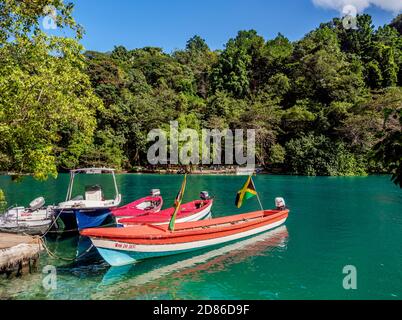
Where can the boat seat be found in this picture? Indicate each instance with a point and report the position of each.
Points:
(93, 193)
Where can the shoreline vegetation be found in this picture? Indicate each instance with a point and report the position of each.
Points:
(328, 104)
(197, 171)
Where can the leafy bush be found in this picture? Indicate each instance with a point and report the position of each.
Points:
(317, 155)
(3, 202)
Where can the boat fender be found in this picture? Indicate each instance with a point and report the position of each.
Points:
(280, 203)
(37, 204)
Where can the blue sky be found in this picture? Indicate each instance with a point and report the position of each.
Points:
(170, 23)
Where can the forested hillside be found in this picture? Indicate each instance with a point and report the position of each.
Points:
(317, 104)
(328, 104)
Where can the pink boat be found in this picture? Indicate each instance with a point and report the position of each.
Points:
(191, 211)
(143, 206)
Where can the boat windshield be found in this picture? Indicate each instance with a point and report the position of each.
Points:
(92, 184)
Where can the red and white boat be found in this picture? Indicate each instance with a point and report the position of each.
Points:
(122, 246)
(191, 211)
(143, 206)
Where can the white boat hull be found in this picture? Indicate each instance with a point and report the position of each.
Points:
(22, 220)
(118, 253)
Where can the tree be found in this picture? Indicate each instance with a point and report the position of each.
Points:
(196, 45)
(20, 18)
(389, 149)
(316, 105)
(397, 23)
(234, 71)
(317, 155)
(200, 59)
(322, 71)
(3, 202)
(389, 69)
(47, 104)
(373, 75)
(271, 66)
(357, 40)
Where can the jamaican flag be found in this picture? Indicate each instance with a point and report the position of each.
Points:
(248, 191)
(177, 204)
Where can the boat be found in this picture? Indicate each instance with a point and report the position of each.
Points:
(122, 246)
(143, 206)
(195, 263)
(88, 210)
(191, 211)
(34, 220)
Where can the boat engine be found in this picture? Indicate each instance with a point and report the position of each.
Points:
(204, 195)
(280, 203)
(37, 204)
(155, 192)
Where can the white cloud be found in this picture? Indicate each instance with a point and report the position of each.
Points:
(394, 6)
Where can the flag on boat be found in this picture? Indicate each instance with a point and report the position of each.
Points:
(177, 203)
(248, 191)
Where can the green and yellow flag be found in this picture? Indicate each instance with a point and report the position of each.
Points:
(177, 203)
(248, 191)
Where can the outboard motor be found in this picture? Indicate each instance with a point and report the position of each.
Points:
(204, 195)
(37, 204)
(280, 204)
(155, 192)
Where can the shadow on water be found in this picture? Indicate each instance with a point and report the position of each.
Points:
(118, 280)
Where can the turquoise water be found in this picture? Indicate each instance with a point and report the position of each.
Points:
(333, 222)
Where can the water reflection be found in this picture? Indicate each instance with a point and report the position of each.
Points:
(120, 280)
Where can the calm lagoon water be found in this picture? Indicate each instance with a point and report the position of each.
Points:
(333, 222)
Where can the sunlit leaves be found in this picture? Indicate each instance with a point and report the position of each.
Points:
(45, 99)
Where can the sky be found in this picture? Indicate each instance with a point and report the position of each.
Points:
(170, 23)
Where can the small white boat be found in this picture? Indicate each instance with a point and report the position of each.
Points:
(90, 209)
(34, 220)
(94, 198)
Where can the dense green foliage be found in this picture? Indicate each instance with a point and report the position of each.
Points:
(3, 202)
(389, 149)
(47, 104)
(317, 104)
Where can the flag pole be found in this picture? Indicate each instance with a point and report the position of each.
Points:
(258, 197)
(178, 201)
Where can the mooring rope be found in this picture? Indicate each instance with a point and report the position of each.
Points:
(52, 225)
(55, 256)
(52, 254)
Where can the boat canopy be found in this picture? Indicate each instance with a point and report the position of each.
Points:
(74, 172)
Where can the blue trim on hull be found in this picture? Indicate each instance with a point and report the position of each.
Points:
(91, 219)
(75, 220)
